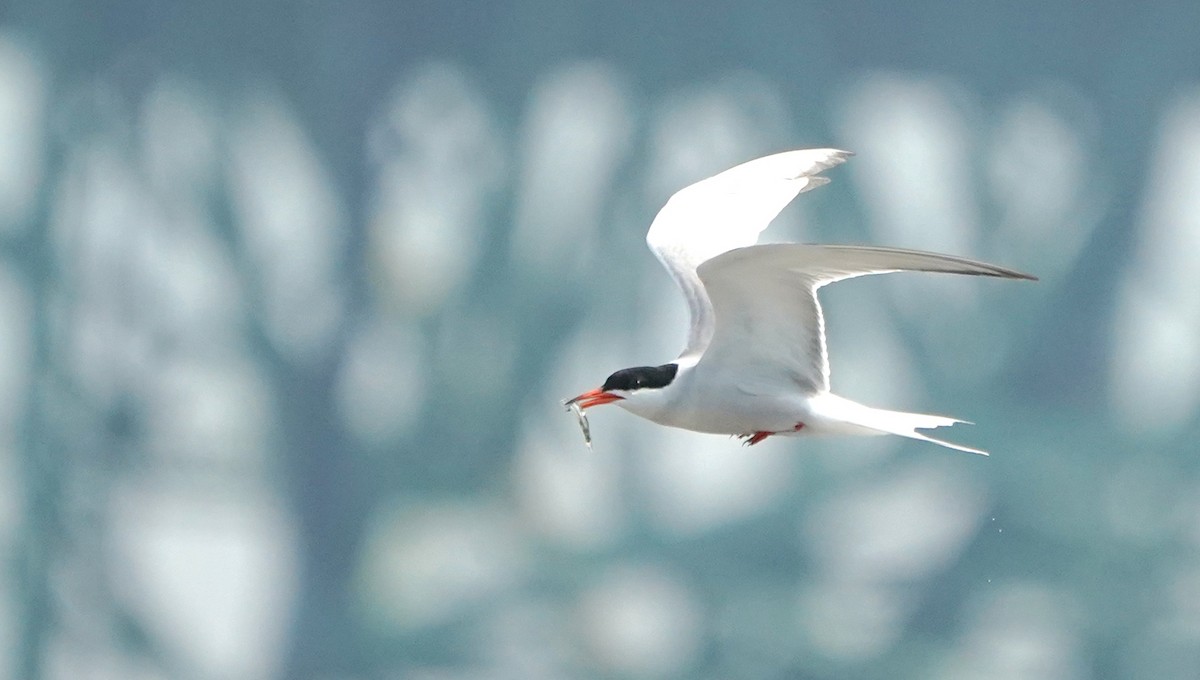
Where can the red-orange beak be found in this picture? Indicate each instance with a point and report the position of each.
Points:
(594, 398)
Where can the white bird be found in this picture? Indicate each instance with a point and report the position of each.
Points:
(755, 363)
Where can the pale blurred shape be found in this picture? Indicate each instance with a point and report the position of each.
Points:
(1019, 632)
(915, 168)
(216, 410)
(569, 494)
(212, 576)
(151, 308)
(439, 160)
(576, 135)
(67, 658)
(423, 565)
(600, 346)
(1170, 645)
(187, 289)
(286, 210)
(1182, 602)
(99, 223)
(1178, 624)
(565, 492)
(852, 620)
(16, 353)
(707, 128)
(477, 350)
(913, 141)
(105, 355)
(1042, 182)
(698, 482)
(658, 314)
(179, 149)
(901, 527)
(870, 363)
(22, 119)
(1144, 498)
(529, 637)
(1155, 380)
(98, 202)
(871, 543)
(382, 380)
(640, 620)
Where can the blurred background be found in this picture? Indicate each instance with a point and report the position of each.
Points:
(290, 293)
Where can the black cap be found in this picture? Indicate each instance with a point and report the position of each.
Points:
(641, 377)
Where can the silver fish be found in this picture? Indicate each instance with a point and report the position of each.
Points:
(571, 405)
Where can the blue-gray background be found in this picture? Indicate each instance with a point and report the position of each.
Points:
(290, 291)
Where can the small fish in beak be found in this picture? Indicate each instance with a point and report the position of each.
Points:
(573, 405)
(586, 401)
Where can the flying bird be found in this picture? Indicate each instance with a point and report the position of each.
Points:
(755, 364)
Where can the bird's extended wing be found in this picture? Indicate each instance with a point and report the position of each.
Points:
(769, 326)
(728, 211)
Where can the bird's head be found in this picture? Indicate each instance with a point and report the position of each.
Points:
(634, 389)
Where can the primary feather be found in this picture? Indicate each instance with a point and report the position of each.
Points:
(767, 318)
(726, 211)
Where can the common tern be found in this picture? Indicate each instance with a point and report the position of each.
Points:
(755, 363)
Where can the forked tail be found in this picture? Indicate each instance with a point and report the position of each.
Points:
(881, 421)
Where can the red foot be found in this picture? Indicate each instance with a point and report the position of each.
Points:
(757, 437)
(752, 439)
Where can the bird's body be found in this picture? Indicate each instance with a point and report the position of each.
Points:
(755, 363)
(699, 399)
(702, 401)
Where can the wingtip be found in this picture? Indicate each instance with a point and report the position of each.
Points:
(960, 447)
(1022, 276)
(1006, 273)
(824, 160)
(837, 156)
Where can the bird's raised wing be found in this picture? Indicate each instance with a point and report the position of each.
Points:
(769, 326)
(728, 211)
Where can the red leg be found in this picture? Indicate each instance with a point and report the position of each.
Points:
(758, 437)
(752, 439)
